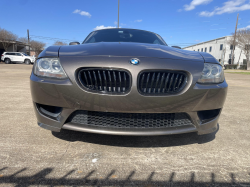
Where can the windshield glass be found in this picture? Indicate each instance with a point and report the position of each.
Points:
(124, 35)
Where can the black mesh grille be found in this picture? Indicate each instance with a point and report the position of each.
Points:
(105, 80)
(161, 82)
(129, 120)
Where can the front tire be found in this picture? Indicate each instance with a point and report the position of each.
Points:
(27, 61)
(7, 61)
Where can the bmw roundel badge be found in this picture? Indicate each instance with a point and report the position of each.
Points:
(134, 61)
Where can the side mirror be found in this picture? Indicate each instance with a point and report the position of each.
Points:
(74, 43)
(176, 47)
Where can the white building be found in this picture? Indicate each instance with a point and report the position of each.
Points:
(220, 49)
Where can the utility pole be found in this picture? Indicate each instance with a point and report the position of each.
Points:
(28, 33)
(118, 13)
(235, 38)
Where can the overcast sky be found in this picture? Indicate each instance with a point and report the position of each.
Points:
(179, 22)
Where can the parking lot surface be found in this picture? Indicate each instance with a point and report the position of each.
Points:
(32, 156)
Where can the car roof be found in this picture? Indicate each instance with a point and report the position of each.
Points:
(12, 52)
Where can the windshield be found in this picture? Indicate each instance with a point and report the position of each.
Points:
(124, 35)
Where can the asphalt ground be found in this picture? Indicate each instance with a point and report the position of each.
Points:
(32, 156)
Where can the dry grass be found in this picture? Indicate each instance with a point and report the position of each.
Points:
(243, 73)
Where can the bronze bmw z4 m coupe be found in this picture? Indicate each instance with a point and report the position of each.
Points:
(127, 82)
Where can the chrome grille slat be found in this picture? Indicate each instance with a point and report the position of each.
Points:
(166, 83)
(147, 82)
(115, 81)
(120, 79)
(100, 78)
(104, 75)
(161, 82)
(170, 84)
(162, 78)
(96, 86)
(152, 81)
(125, 80)
(90, 78)
(157, 80)
(176, 79)
(109, 81)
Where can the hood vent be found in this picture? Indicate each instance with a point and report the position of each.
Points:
(106, 81)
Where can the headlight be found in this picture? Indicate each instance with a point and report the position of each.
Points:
(49, 67)
(212, 73)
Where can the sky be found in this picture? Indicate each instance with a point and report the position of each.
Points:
(179, 22)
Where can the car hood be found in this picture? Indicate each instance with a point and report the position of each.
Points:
(124, 49)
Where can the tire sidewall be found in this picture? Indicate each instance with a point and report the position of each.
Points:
(27, 61)
(7, 61)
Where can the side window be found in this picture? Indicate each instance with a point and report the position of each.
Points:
(92, 40)
(156, 42)
(18, 54)
(12, 54)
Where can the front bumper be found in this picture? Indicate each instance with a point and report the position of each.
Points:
(68, 95)
(62, 94)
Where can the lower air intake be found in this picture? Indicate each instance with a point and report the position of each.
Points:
(129, 120)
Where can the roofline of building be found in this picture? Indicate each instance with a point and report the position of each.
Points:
(205, 42)
(16, 42)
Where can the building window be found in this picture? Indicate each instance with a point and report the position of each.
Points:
(201, 49)
(205, 49)
(198, 49)
(210, 49)
(231, 47)
(221, 47)
(194, 50)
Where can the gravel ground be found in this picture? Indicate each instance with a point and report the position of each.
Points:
(32, 156)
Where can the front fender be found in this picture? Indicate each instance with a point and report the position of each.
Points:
(208, 58)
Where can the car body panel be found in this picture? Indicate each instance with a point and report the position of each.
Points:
(209, 58)
(122, 49)
(51, 51)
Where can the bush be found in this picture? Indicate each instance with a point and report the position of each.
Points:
(231, 66)
(243, 67)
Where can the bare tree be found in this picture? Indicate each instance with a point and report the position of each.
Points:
(37, 46)
(7, 37)
(60, 43)
(242, 41)
(23, 39)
